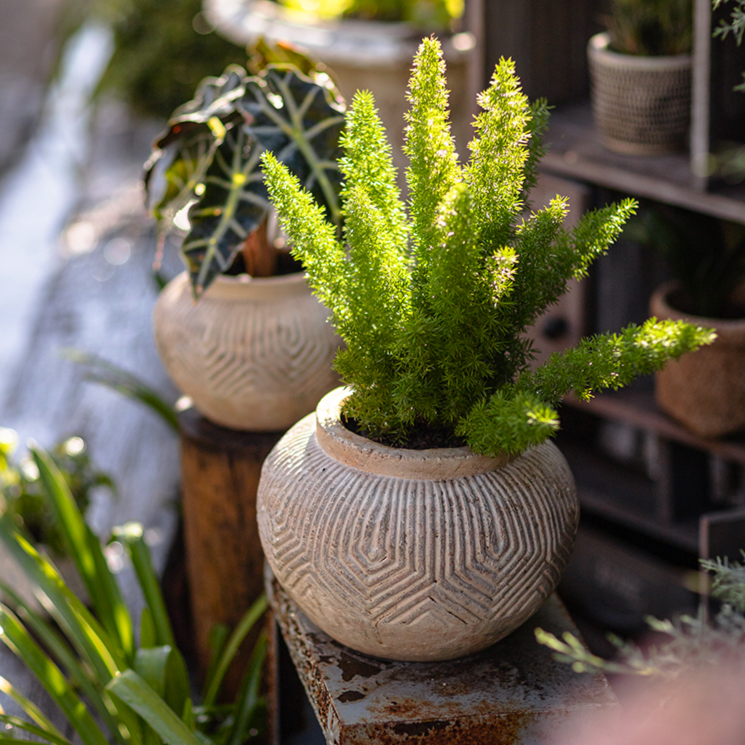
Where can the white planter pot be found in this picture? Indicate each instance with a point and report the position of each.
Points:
(413, 555)
(704, 390)
(641, 105)
(253, 354)
(362, 55)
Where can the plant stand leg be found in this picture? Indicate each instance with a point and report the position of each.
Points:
(224, 560)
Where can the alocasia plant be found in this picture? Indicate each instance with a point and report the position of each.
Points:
(208, 161)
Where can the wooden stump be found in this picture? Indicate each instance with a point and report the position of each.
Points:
(224, 560)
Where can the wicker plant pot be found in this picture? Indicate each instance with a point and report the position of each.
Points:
(412, 555)
(253, 354)
(705, 390)
(641, 105)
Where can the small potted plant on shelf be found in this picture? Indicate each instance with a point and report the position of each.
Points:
(423, 512)
(255, 351)
(706, 256)
(640, 73)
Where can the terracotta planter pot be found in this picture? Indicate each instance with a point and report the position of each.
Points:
(253, 354)
(704, 390)
(641, 105)
(412, 555)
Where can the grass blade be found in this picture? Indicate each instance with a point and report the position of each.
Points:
(16, 723)
(85, 549)
(136, 693)
(131, 535)
(84, 631)
(231, 649)
(15, 636)
(30, 708)
(110, 375)
(248, 698)
(63, 655)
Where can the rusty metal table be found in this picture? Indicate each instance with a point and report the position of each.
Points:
(513, 693)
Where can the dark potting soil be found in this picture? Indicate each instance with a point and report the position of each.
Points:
(423, 436)
(285, 265)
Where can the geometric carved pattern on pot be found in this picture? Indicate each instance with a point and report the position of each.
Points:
(253, 355)
(415, 568)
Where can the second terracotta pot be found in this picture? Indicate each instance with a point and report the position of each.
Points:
(253, 354)
(704, 390)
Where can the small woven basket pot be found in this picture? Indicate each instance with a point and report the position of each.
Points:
(641, 105)
(704, 390)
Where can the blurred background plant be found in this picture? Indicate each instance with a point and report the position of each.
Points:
(704, 254)
(651, 28)
(161, 50)
(735, 25)
(21, 497)
(688, 642)
(114, 686)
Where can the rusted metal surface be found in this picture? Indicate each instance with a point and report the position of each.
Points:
(513, 693)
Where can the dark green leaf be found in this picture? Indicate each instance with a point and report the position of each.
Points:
(84, 547)
(15, 636)
(136, 693)
(254, 613)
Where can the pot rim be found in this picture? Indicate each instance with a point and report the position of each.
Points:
(660, 307)
(246, 287)
(435, 464)
(597, 49)
(342, 41)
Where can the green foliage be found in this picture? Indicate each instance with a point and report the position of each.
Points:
(207, 161)
(162, 49)
(110, 689)
(433, 306)
(735, 26)
(651, 27)
(706, 255)
(21, 490)
(691, 641)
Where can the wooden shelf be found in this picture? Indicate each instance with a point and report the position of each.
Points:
(639, 409)
(577, 152)
(621, 496)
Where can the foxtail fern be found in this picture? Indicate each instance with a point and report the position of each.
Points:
(433, 301)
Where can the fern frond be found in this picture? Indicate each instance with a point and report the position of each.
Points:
(313, 240)
(367, 164)
(433, 162)
(499, 155)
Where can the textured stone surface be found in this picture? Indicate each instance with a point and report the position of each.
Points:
(704, 390)
(253, 355)
(413, 568)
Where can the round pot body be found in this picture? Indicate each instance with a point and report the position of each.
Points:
(412, 555)
(253, 354)
(641, 105)
(704, 390)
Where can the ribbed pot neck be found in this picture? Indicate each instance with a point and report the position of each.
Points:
(245, 287)
(365, 455)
